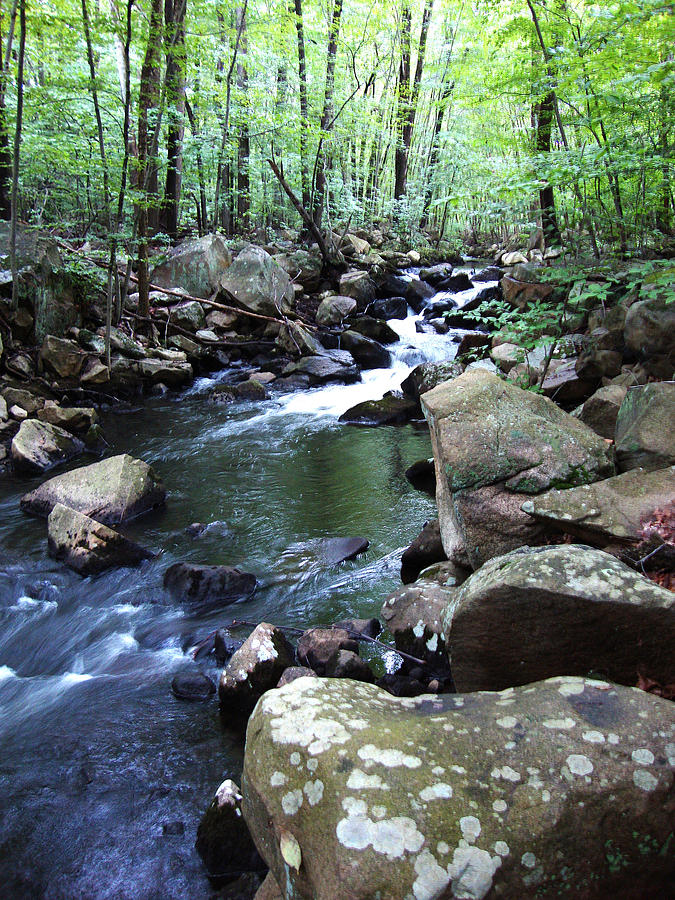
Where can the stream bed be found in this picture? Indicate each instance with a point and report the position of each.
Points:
(104, 774)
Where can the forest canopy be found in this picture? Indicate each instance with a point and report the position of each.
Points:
(151, 118)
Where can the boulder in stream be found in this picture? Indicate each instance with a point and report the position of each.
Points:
(367, 353)
(110, 491)
(255, 668)
(223, 839)
(426, 549)
(192, 685)
(337, 550)
(538, 612)
(208, 586)
(196, 265)
(317, 645)
(564, 786)
(86, 545)
(333, 309)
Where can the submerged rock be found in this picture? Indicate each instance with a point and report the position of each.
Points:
(534, 613)
(86, 545)
(110, 491)
(207, 586)
(337, 550)
(255, 668)
(192, 686)
(38, 446)
(524, 794)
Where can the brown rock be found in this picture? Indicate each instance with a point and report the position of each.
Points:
(317, 645)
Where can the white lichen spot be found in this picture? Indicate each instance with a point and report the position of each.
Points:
(388, 757)
(392, 837)
(354, 807)
(471, 871)
(471, 828)
(594, 737)
(278, 779)
(507, 722)
(357, 724)
(534, 781)
(500, 806)
(431, 879)
(642, 756)
(546, 796)
(460, 770)
(559, 724)
(670, 753)
(418, 629)
(508, 774)
(529, 860)
(358, 780)
(295, 758)
(313, 791)
(312, 765)
(502, 848)
(579, 764)
(511, 745)
(645, 780)
(442, 848)
(613, 738)
(439, 791)
(291, 802)
(571, 688)
(438, 770)
(379, 811)
(432, 644)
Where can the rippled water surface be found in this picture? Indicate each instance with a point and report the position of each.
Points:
(103, 773)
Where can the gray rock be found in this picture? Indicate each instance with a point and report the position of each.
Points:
(172, 374)
(86, 545)
(388, 308)
(347, 664)
(375, 329)
(427, 376)
(298, 341)
(359, 286)
(494, 442)
(414, 616)
(337, 550)
(518, 795)
(250, 390)
(110, 491)
(255, 668)
(189, 316)
(535, 613)
(422, 476)
(649, 328)
(4, 413)
(332, 310)
(38, 446)
(366, 627)
(367, 353)
(645, 427)
(125, 345)
(75, 419)
(259, 283)
(326, 368)
(208, 586)
(601, 410)
(196, 265)
(390, 410)
(294, 672)
(61, 357)
(192, 686)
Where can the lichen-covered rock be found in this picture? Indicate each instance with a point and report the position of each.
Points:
(208, 586)
(75, 419)
(332, 310)
(414, 616)
(38, 446)
(249, 390)
(109, 491)
(195, 265)
(427, 548)
(317, 645)
(562, 787)
(427, 376)
(189, 316)
(615, 514)
(645, 427)
(298, 341)
(259, 283)
(223, 839)
(87, 546)
(571, 609)
(359, 286)
(172, 374)
(494, 442)
(601, 409)
(255, 668)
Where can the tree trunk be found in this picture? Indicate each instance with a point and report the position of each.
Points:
(326, 115)
(201, 205)
(244, 142)
(15, 160)
(174, 16)
(5, 150)
(147, 170)
(544, 121)
(304, 115)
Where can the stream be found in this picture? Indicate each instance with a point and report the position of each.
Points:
(104, 774)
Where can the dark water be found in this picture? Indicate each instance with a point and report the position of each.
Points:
(97, 757)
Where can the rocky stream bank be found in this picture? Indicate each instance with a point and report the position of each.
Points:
(525, 745)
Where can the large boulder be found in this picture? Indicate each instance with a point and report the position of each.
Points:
(196, 265)
(601, 410)
(258, 283)
(256, 667)
(110, 491)
(429, 375)
(618, 515)
(645, 427)
(87, 546)
(375, 329)
(367, 353)
(61, 357)
(189, 316)
(359, 286)
(563, 787)
(76, 419)
(38, 446)
(388, 308)
(649, 328)
(208, 586)
(571, 609)
(390, 410)
(494, 443)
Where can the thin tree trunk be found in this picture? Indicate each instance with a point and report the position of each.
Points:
(5, 151)
(201, 205)
(15, 159)
(244, 142)
(326, 115)
(174, 15)
(544, 121)
(147, 100)
(304, 114)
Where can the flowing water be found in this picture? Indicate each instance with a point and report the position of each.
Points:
(104, 775)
